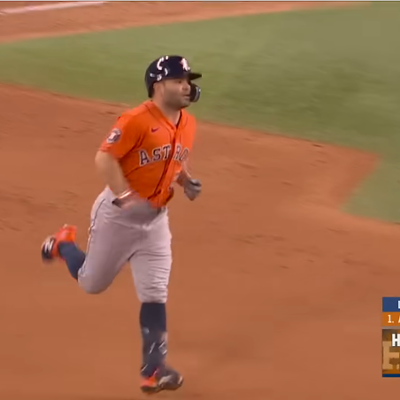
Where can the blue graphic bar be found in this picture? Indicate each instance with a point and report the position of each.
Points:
(390, 304)
(390, 375)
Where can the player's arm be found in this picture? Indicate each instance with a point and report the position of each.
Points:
(122, 139)
(191, 187)
(110, 171)
(184, 175)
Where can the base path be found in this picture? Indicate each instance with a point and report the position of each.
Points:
(275, 294)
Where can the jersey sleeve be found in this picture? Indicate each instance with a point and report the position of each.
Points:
(124, 136)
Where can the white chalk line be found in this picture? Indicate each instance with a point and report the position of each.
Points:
(49, 7)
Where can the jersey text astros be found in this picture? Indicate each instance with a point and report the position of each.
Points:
(151, 150)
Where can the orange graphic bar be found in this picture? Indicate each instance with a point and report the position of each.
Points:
(391, 319)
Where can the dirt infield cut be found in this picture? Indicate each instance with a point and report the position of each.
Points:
(274, 294)
(125, 14)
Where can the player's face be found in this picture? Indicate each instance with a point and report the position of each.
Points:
(176, 93)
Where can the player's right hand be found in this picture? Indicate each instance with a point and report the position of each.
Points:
(126, 199)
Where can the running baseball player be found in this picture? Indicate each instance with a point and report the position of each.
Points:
(142, 157)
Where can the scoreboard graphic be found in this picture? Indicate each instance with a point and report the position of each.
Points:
(391, 337)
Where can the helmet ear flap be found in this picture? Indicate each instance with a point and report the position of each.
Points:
(150, 91)
(195, 92)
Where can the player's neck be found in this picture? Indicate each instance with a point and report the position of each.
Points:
(171, 115)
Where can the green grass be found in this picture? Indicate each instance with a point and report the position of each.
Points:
(326, 75)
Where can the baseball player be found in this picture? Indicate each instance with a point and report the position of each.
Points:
(144, 154)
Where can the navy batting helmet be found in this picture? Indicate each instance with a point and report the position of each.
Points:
(171, 67)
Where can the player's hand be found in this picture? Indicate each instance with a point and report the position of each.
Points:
(192, 188)
(126, 199)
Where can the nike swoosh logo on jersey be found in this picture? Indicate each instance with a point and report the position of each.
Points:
(154, 129)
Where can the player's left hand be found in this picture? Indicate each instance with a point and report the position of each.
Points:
(192, 188)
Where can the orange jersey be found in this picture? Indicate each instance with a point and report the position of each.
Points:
(151, 150)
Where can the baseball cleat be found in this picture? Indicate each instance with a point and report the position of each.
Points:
(164, 378)
(50, 246)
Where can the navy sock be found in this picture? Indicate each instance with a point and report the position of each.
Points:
(153, 323)
(73, 256)
(153, 316)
